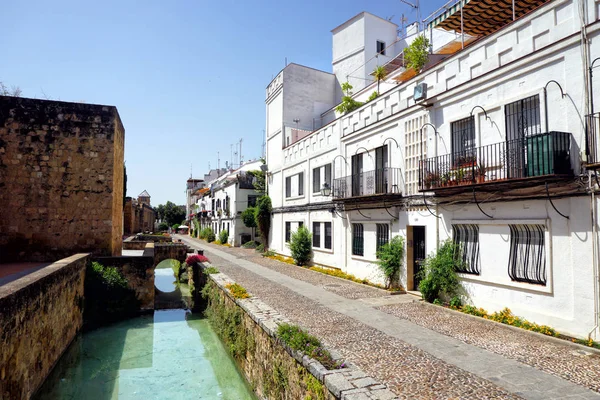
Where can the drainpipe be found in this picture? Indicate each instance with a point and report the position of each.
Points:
(594, 257)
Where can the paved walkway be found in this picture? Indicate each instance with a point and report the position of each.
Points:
(414, 361)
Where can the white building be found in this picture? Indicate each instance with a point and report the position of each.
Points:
(221, 207)
(494, 156)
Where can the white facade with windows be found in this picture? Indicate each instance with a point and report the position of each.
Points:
(221, 208)
(496, 158)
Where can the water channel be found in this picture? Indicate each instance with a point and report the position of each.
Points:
(172, 354)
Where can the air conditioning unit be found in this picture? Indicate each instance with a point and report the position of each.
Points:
(420, 92)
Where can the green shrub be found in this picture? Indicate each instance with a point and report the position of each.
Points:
(107, 295)
(301, 246)
(391, 258)
(210, 270)
(455, 302)
(416, 54)
(263, 218)
(439, 271)
(175, 226)
(260, 248)
(210, 236)
(348, 104)
(299, 340)
(223, 236)
(372, 97)
(163, 226)
(250, 245)
(176, 267)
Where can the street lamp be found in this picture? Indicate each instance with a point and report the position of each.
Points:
(326, 190)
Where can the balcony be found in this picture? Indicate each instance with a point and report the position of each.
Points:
(383, 181)
(544, 155)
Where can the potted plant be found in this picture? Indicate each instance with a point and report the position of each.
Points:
(481, 170)
(445, 179)
(460, 176)
(431, 179)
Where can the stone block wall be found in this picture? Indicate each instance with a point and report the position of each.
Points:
(40, 314)
(61, 179)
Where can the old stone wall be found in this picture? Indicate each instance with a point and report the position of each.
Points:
(139, 272)
(138, 217)
(175, 251)
(40, 314)
(61, 179)
(275, 371)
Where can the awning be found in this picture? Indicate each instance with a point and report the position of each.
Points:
(483, 17)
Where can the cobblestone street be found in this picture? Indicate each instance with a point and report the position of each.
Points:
(418, 351)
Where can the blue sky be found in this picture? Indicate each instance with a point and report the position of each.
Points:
(188, 77)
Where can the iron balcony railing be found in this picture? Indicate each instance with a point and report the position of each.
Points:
(535, 155)
(379, 181)
(592, 125)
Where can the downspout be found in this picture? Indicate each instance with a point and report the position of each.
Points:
(594, 257)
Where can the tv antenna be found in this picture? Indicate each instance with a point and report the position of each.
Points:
(415, 6)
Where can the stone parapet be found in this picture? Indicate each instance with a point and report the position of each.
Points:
(348, 383)
(40, 314)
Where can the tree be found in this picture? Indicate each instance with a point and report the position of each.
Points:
(348, 104)
(163, 226)
(416, 54)
(259, 180)
(391, 257)
(14, 91)
(301, 246)
(380, 74)
(249, 218)
(170, 213)
(263, 219)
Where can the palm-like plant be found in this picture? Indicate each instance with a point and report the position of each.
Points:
(380, 74)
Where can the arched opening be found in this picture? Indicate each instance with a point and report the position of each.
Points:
(170, 285)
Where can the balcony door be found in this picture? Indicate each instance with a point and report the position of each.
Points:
(381, 169)
(357, 174)
(522, 120)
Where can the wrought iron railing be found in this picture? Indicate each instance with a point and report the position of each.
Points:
(592, 127)
(535, 155)
(379, 181)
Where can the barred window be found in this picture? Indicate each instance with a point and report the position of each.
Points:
(358, 240)
(527, 260)
(328, 235)
(383, 235)
(288, 231)
(316, 234)
(467, 236)
(463, 140)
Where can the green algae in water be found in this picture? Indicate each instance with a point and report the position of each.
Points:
(171, 355)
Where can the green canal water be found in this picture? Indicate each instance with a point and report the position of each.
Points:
(172, 354)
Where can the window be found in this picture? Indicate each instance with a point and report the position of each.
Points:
(288, 186)
(316, 234)
(527, 259)
(467, 237)
(317, 177)
(463, 140)
(328, 235)
(301, 184)
(300, 224)
(381, 48)
(523, 118)
(288, 231)
(316, 180)
(358, 240)
(383, 235)
(252, 201)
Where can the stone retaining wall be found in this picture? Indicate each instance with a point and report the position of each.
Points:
(134, 245)
(274, 370)
(40, 314)
(139, 272)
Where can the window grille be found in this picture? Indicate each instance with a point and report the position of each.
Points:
(316, 180)
(467, 237)
(383, 235)
(463, 140)
(328, 235)
(288, 231)
(316, 234)
(288, 186)
(358, 240)
(527, 260)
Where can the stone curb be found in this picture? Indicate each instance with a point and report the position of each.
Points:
(556, 340)
(349, 383)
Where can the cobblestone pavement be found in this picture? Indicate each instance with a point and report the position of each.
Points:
(406, 369)
(576, 365)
